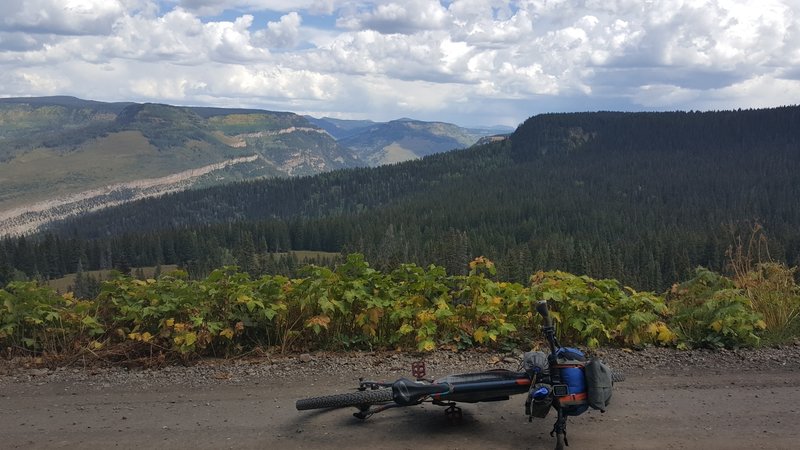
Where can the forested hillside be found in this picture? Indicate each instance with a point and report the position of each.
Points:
(641, 197)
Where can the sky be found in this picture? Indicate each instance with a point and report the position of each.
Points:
(469, 62)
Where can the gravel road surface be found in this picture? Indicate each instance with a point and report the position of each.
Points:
(671, 399)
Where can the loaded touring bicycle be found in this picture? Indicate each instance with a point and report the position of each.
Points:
(562, 380)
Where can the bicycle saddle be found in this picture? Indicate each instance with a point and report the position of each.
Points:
(407, 392)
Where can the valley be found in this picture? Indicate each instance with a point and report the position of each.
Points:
(29, 218)
(63, 156)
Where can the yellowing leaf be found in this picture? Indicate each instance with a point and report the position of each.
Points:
(716, 325)
(370, 330)
(761, 325)
(425, 316)
(146, 337)
(375, 314)
(321, 320)
(227, 333)
(480, 335)
(427, 345)
(405, 329)
(665, 335)
(190, 338)
(170, 323)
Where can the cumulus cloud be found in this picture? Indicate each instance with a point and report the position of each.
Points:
(60, 16)
(215, 7)
(430, 59)
(281, 34)
(398, 17)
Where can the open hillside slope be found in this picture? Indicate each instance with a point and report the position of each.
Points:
(62, 156)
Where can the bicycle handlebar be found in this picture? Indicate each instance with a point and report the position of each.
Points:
(541, 308)
(549, 331)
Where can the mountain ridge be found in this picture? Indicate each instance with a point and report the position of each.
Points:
(640, 197)
(76, 147)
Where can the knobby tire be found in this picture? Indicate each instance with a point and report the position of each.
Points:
(617, 377)
(358, 398)
(560, 441)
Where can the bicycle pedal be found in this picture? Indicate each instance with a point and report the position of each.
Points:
(453, 413)
(418, 370)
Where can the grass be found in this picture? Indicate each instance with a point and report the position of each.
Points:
(305, 255)
(64, 283)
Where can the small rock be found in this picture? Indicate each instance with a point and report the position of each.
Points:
(305, 357)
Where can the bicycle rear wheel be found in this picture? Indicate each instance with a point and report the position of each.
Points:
(358, 398)
(617, 376)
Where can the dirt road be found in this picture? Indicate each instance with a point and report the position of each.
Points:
(652, 410)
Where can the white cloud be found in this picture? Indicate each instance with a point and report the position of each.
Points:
(436, 59)
(215, 7)
(60, 16)
(398, 17)
(281, 34)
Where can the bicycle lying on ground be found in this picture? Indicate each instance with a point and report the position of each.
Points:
(562, 380)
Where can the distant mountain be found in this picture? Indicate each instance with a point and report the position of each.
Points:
(63, 155)
(406, 139)
(340, 128)
(378, 143)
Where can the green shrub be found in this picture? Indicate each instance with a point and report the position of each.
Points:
(601, 312)
(355, 306)
(708, 311)
(38, 320)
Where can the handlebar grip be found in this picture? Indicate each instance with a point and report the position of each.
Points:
(541, 308)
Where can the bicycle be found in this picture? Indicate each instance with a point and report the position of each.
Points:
(562, 380)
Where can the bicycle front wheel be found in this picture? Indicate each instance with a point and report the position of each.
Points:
(358, 398)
